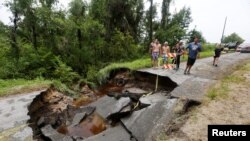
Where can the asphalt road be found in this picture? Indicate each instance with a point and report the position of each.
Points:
(13, 109)
(13, 115)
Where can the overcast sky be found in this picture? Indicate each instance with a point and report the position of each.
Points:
(208, 16)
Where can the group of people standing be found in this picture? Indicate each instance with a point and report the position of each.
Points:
(157, 50)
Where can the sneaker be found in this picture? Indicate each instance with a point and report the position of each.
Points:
(185, 73)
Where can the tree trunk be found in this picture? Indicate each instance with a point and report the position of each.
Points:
(151, 21)
(165, 12)
(79, 36)
(13, 37)
(34, 41)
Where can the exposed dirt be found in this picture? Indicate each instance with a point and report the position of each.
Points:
(232, 108)
(53, 112)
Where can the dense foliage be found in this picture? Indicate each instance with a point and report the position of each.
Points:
(234, 37)
(68, 45)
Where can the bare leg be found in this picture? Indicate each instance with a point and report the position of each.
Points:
(189, 69)
(186, 69)
(214, 61)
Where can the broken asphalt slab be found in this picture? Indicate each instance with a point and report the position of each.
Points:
(140, 123)
(146, 123)
(203, 75)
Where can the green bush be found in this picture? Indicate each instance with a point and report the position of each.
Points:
(122, 47)
(208, 47)
(63, 88)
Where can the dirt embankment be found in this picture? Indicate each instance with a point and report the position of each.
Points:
(226, 103)
(55, 116)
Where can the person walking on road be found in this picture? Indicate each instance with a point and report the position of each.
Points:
(217, 53)
(193, 52)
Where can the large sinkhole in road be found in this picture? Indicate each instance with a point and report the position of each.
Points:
(54, 116)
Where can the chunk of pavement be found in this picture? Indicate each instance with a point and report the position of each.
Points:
(120, 104)
(53, 135)
(141, 122)
(193, 89)
(78, 118)
(87, 110)
(121, 109)
(104, 105)
(136, 91)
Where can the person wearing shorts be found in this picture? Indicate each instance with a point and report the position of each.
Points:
(217, 53)
(193, 51)
(164, 53)
(155, 53)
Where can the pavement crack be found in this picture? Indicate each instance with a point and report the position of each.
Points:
(132, 136)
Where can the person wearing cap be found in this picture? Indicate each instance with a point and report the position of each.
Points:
(164, 53)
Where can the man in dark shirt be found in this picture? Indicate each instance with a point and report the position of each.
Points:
(193, 50)
(217, 53)
(179, 52)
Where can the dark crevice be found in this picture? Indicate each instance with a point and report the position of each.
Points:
(61, 112)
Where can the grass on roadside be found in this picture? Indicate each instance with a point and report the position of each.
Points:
(223, 88)
(143, 62)
(16, 86)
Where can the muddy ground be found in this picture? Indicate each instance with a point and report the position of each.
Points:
(230, 105)
(54, 116)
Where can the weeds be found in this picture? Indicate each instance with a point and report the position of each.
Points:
(15, 86)
(223, 87)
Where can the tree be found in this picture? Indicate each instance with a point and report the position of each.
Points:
(77, 11)
(150, 24)
(165, 12)
(15, 8)
(125, 16)
(234, 37)
(194, 33)
(175, 26)
(151, 21)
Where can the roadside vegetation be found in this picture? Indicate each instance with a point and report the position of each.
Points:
(223, 87)
(73, 45)
(226, 103)
(145, 61)
(16, 86)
